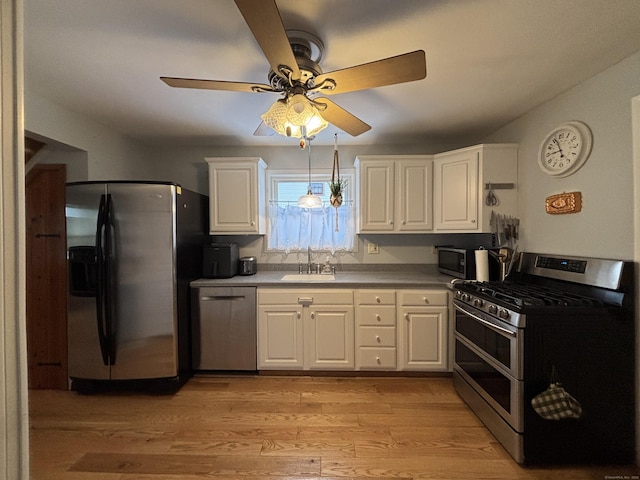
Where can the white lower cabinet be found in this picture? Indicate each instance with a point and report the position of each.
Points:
(305, 329)
(422, 330)
(389, 330)
(376, 330)
(280, 337)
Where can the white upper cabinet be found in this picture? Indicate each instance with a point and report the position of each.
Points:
(236, 195)
(394, 193)
(460, 181)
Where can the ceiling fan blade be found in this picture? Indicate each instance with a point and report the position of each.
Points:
(342, 119)
(264, 130)
(264, 21)
(216, 85)
(389, 71)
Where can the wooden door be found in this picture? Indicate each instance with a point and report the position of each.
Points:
(46, 277)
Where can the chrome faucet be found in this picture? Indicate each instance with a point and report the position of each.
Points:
(309, 264)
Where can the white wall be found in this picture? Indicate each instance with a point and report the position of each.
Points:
(110, 155)
(604, 227)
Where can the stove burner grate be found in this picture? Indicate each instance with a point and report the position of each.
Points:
(528, 295)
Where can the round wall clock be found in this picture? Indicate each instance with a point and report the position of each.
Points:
(565, 149)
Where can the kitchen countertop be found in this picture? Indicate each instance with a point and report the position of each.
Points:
(410, 278)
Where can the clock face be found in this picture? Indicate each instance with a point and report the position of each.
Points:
(565, 149)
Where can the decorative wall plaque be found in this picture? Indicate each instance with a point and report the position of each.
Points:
(564, 203)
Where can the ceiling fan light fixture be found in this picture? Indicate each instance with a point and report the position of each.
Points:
(299, 109)
(288, 117)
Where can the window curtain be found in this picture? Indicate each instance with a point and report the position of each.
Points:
(294, 228)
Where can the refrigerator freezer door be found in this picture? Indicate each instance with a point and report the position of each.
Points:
(145, 326)
(85, 356)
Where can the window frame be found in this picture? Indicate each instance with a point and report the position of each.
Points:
(317, 176)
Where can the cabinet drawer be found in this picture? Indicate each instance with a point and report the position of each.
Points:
(281, 296)
(376, 297)
(374, 315)
(376, 358)
(423, 297)
(376, 336)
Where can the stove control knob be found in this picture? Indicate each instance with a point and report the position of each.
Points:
(504, 314)
(466, 297)
(458, 294)
(493, 309)
(478, 302)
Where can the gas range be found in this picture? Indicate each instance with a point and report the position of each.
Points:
(546, 284)
(555, 319)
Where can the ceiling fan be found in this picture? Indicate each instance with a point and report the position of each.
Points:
(293, 56)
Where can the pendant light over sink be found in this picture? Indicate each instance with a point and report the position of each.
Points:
(309, 200)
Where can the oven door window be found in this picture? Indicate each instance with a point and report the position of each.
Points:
(491, 342)
(492, 381)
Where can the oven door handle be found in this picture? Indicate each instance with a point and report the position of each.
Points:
(490, 325)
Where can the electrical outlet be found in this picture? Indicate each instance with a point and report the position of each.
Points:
(373, 248)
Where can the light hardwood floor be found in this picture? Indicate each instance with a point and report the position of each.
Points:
(276, 428)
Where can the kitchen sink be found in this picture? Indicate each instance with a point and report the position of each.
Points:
(305, 277)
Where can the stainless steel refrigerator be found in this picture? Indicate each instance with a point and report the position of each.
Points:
(133, 248)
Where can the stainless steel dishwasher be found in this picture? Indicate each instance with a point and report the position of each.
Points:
(224, 328)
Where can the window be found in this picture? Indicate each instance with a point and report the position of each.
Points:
(292, 228)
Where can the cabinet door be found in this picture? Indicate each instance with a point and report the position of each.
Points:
(456, 191)
(414, 196)
(329, 338)
(422, 338)
(235, 196)
(377, 186)
(280, 337)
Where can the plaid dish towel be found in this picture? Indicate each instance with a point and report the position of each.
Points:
(556, 404)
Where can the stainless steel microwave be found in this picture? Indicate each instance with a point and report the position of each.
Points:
(461, 263)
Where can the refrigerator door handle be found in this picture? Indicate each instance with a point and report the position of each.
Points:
(109, 253)
(100, 287)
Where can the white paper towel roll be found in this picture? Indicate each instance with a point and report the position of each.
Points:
(482, 265)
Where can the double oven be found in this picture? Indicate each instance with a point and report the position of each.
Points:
(565, 319)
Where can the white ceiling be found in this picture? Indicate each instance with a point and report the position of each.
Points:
(488, 62)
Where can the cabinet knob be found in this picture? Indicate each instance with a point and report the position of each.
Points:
(406, 316)
(299, 314)
(378, 360)
(378, 317)
(313, 315)
(378, 299)
(473, 221)
(253, 224)
(378, 338)
(426, 300)
(403, 222)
